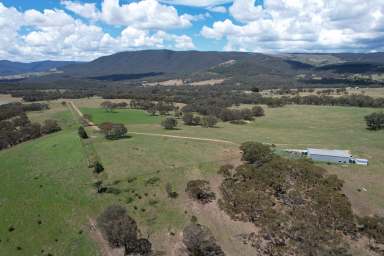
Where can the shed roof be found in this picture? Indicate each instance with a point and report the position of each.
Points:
(329, 152)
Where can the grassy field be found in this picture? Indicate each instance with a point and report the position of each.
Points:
(48, 179)
(301, 127)
(45, 196)
(126, 116)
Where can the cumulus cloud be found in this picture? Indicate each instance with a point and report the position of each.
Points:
(147, 14)
(305, 25)
(220, 9)
(197, 3)
(54, 34)
(86, 10)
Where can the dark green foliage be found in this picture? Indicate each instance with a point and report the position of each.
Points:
(200, 242)
(113, 131)
(200, 191)
(152, 181)
(299, 209)
(99, 168)
(254, 152)
(209, 121)
(258, 111)
(170, 192)
(190, 119)
(82, 133)
(169, 123)
(375, 121)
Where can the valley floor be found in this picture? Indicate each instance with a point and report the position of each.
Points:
(48, 181)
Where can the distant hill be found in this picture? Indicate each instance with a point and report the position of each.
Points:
(14, 68)
(155, 61)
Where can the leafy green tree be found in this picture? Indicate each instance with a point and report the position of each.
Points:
(254, 152)
(113, 131)
(169, 123)
(375, 121)
(209, 121)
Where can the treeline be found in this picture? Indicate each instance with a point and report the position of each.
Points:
(223, 95)
(15, 126)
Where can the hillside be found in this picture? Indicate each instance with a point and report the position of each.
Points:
(14, 68)
(153, 61)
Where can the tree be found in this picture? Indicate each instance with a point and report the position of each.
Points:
(209, 121)
(375, 121)
(117, 226)
(107, 105)
(258, 111)
(113, 131)
(254, 152)
(82, 133)
(169, 123)
(120, 230)
(99, 168)
(188, 118)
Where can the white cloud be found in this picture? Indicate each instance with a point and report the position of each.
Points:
(220, 9)
(54, 34)
(145, 14)
(86, 10)
(305, 25)
(197, 3)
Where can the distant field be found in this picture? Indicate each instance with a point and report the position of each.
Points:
(126, 116)
(372, 92)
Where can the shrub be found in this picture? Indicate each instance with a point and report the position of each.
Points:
(254, 152)
(375, 121)
(117, 226)
(170, 192)
(200, 190)
(209, 121)
(99, 168)
(169, 123)
(82, 133)
(258, 111)
(113, 131)
(199, 241)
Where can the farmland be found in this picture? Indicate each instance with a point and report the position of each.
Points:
(40, 179)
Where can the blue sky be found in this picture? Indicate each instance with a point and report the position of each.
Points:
(87, 29)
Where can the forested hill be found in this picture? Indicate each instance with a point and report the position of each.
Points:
(13, 68)
(155, 61)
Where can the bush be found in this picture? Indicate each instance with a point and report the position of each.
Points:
(169, 123)
(117, 227)
(254, 152)
(190, 119)
(82, 133)
(120, 230)
(200, 191)
(199, 241)
(99, 168)
(375, 121)
(113, 131)
(209, 121)
(258, 111)
(170, 192)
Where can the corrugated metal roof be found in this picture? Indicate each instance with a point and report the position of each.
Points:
(329, 152)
